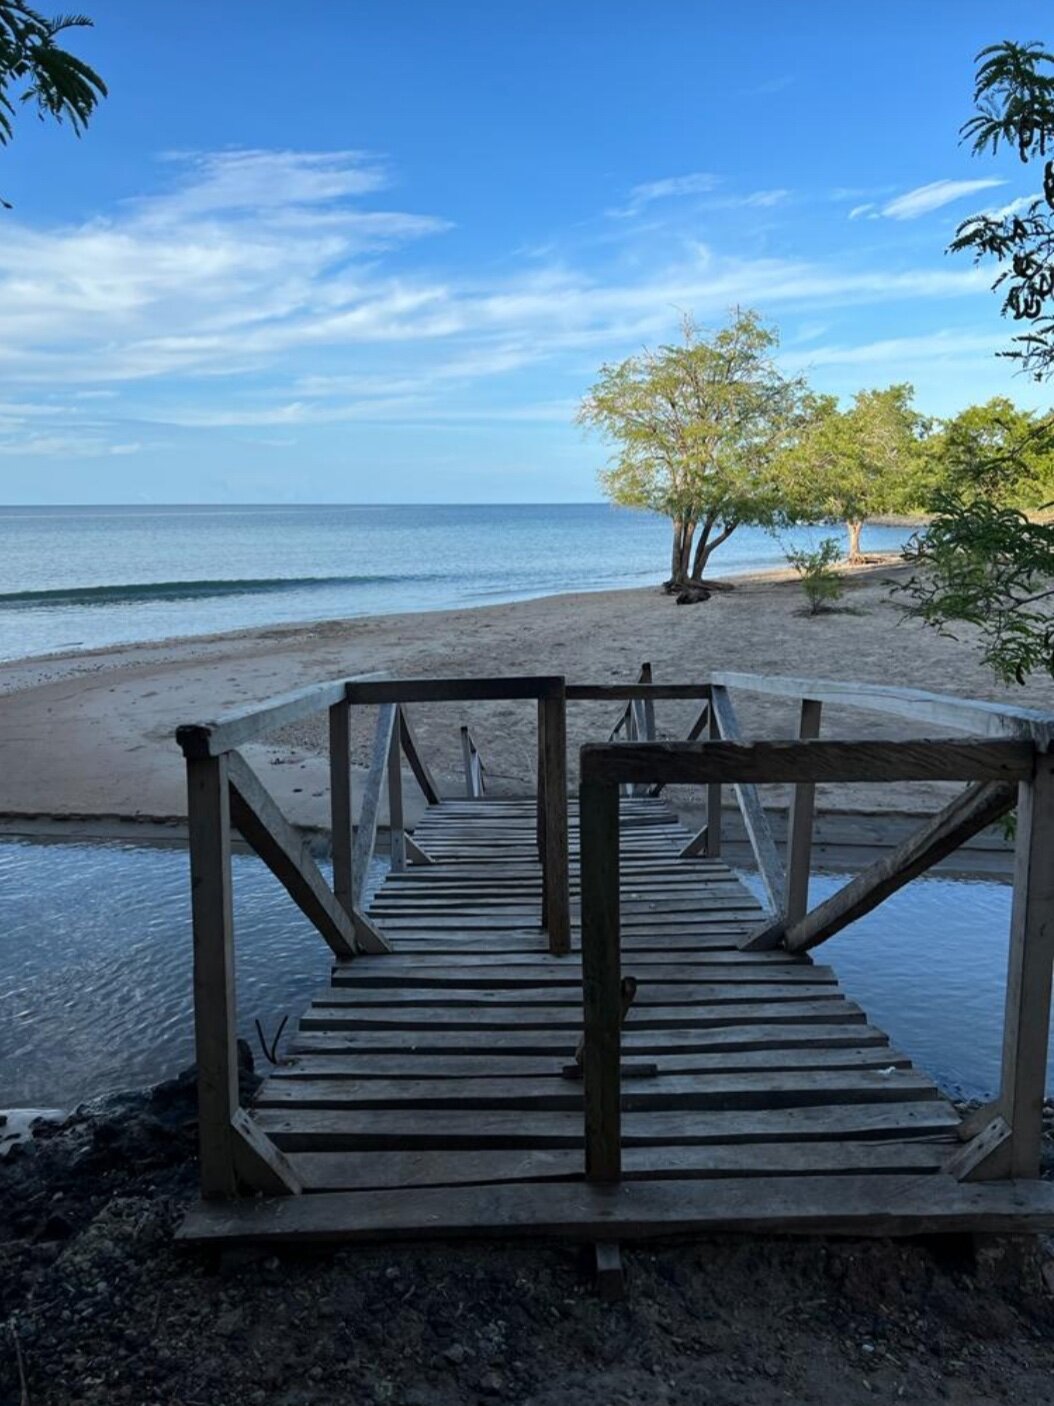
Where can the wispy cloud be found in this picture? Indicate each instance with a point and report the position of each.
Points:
(923, 199)
(671, 187)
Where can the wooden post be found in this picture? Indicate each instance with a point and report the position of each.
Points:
(466, 753)
(712, 848)
(601, 979)
(540, 797)
(1027, 1021)
(396, 827)
(799, 824)
(215, 1028)
(557, 914)
(340, 804)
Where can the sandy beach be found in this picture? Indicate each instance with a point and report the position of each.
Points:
(91, 735)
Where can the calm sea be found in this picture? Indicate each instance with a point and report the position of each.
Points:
(81, 578)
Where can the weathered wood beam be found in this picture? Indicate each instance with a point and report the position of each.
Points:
(259, 1164)
(414, 853)
(490, 689)
(695, 731)
(989, 719)
(1026, 1029)
(601, 980)
(971, 811)
(341, 825)
(215, 1020)
(983, 1156)
(396, 824)
(209, 739)
(743, 763)
(418, 765)
(799, 823)
(755, 821)
(284, 850)
(556, 914)
(366, 834)
(616, 692)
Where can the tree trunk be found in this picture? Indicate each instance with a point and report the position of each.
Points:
(681, 552)
(706, 547)
(854, 529)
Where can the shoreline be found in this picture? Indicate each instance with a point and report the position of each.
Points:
(874, 561)
(90, 734)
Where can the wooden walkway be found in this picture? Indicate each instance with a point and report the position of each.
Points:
(427, 1092)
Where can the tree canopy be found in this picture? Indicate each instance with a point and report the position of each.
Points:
(1014, 100)
(699, 428)
(854, 464)
(34, 69)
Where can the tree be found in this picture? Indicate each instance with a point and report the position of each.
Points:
(851, 465)
(983, 560)
(34, 69)
(1014, 98)
(996, 452)
(699, 429)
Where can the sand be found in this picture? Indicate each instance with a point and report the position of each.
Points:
(92, 734)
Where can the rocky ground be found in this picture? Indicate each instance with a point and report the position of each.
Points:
(98, 1306)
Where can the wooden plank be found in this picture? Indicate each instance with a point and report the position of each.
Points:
(617, 692)
(665, 1092)
(601, 980)
(467, 749)
(452, 1067)
(366, 835)
(333, 1171)
(210, 739)
(755, 821)
(843, 1028)
(800, 822)
(971, 811)
(969, 714)
(414, 853)
(539, 969)
(695, 763)
(215, 1019)
(771, 984)
(983, 1155)
(415, 757)
(284, 850)
(341, 826)
(556, 917)
(453, 690)
(1026, 1028)
(854, 1205)
(309, 1130)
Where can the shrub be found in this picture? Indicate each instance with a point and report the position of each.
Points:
(820, 582)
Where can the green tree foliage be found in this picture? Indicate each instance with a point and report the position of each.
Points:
(816, 571)
(996, 452)
(984, 560)
(34, 69)
(699, 429)
(854, 464)
(1014, 98)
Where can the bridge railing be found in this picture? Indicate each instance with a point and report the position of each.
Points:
(1009, 765)
(225, 794)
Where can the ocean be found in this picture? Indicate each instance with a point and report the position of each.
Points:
(81, 578)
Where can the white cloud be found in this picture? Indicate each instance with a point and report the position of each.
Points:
(671, 187)
(858, 210)
(923, 199)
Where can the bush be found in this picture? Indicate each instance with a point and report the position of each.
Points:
(820, 582)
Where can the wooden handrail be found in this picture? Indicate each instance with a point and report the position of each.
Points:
(369, 812)
(1008, 770)
(968, 714)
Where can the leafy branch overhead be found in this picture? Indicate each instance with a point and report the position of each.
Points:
(36, 70)
(1014, 97)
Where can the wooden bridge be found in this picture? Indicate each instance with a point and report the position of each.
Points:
(572, 1019)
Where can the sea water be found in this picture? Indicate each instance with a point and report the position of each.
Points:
(83, 578)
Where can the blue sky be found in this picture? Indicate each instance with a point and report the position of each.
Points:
(376, 252)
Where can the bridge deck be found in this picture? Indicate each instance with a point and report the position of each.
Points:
(427, 1093)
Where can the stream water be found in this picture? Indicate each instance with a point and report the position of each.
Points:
(95, 968)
